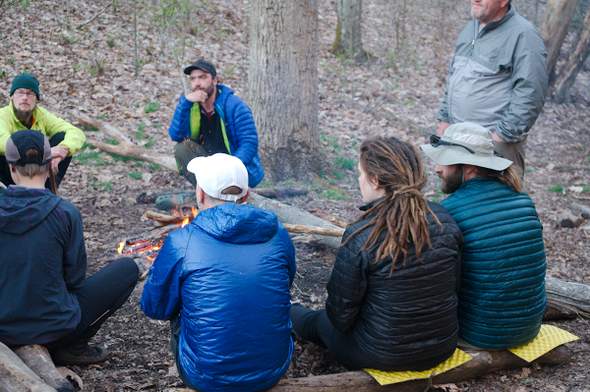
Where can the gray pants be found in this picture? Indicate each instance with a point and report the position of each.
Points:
(514, 152)
(184, 152)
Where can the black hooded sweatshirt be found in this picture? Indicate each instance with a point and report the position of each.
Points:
(42, 261)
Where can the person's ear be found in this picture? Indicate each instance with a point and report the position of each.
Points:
(374, 182)
(200, 195)
(244, 198)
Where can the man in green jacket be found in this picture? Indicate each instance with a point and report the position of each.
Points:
(502, 294)
(23, 113)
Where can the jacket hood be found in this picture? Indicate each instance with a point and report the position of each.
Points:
(238, 223)
(21, 209)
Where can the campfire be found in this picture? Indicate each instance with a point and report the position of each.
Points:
(148, 245)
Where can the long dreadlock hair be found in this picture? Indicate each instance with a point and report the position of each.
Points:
(401, 214)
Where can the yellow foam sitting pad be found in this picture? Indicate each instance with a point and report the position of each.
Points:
(385, 378)
(548, 338)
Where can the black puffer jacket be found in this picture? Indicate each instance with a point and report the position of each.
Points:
(405, 320)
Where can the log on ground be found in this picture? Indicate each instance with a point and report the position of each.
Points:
(16, 376)
(37, 358)
(483, 362)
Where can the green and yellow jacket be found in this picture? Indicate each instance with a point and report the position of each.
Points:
(43, 121)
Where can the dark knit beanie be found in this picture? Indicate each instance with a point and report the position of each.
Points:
(25, 80)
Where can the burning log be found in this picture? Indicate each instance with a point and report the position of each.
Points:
(165, 219)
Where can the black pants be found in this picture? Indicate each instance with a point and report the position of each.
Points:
(184, 152)
(316, 327)
(174, 341)
(99, 297)
(6, 178)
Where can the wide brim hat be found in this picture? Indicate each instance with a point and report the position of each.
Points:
(466, 144)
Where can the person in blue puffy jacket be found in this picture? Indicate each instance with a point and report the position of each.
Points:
(224, 281)
(502, 298)
(212, 119)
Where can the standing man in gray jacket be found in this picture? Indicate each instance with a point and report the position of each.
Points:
(497, 77)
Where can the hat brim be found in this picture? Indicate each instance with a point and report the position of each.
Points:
(455, 155)
(191, 68)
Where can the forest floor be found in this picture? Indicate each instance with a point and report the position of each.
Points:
(87, 65)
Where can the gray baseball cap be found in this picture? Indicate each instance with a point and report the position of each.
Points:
(465, 143)
(27, 146)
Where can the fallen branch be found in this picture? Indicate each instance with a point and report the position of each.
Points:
(125, 147)
(109, 4)
(165, 219)
(573, 297)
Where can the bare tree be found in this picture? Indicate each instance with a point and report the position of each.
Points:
(570, 70)
(348, 41)
(283, 84)
(558, 15)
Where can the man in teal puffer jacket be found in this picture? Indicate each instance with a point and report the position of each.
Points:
(502, 298)
(223, 281)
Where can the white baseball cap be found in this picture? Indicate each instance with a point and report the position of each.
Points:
(218, 172)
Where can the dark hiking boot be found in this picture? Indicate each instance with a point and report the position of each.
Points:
(79, 354)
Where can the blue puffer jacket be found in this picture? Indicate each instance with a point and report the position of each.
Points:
(228, 275)
(239, 124)
(502, 297)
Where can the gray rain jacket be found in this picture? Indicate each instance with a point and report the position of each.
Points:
(497, 77)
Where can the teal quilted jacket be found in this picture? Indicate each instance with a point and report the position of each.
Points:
(502, 296)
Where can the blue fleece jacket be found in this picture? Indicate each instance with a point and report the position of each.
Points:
(502, 297)
(239, 124)
(227, 275)
(43, 260)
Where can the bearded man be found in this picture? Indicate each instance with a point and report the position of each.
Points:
(502, 294)
(497, 78)
(23, 113)
(212, 119)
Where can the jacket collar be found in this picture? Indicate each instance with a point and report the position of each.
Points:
(492, 25)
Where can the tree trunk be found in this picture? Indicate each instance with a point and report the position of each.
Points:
(283, 85)
(574, 63)
(348, 41)
(558, 15)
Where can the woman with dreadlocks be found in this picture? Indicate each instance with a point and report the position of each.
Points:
(392, 295)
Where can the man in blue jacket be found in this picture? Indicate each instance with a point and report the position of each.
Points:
(212, 119)
(502, 295)
(45, 295)
(223, 281)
